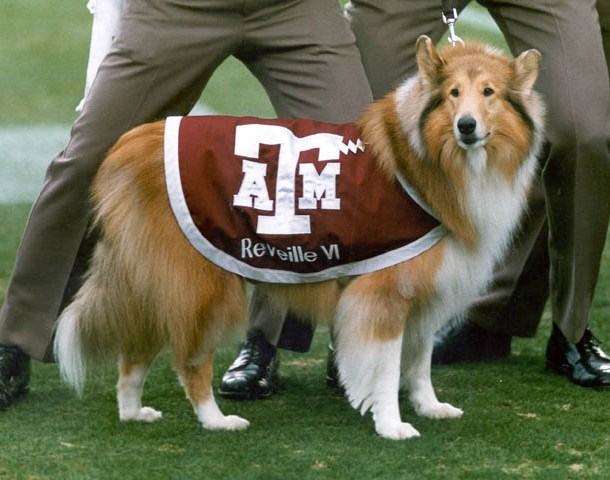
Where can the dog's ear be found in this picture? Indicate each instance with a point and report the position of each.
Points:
(429, 61)
(527, 67)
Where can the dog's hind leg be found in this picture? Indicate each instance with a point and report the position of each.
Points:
(132, 375)
(416, 366)
(196, 377)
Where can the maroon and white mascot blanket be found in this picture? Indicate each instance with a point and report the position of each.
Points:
(289, 201)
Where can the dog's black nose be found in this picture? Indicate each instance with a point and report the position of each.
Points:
(466, 125)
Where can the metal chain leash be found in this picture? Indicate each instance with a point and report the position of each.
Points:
(450, 16)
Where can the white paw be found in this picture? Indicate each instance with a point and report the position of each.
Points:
(144, 414)
(228, 422)
(439, 410)
(396, 431)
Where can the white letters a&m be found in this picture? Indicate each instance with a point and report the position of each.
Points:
(322, 186)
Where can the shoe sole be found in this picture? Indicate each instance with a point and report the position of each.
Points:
(566, 372)
(245, 395)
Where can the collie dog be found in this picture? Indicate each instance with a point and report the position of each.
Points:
(462, 136)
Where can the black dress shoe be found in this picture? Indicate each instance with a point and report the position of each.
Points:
(253, 374)
(469, 342)
(14, 375)
(584, 363)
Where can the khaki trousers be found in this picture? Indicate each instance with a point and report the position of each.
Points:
(303, 53)
(560, 246)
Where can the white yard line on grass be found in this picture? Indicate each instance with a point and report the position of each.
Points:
(27, 150)
(25, 154)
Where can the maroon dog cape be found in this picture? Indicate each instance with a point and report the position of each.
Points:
(289, 201)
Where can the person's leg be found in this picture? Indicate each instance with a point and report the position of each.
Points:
(142, 79)
(386, 32)
(576, 173)
(310, 70)
(309, 65)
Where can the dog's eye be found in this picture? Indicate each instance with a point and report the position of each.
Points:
(454, 92)
(488, 92)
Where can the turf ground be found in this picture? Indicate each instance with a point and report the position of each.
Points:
(519, 422)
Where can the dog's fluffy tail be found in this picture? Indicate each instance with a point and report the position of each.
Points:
(68, 347)
(86, 335)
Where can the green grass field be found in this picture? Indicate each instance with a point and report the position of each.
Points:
(519, 421)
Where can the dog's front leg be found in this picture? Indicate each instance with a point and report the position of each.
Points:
(370, 373)
(197, 381)
(416, 362)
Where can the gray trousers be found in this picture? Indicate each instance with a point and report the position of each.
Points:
(303, 53)
(558, 252)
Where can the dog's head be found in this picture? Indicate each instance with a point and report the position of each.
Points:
(477, 94)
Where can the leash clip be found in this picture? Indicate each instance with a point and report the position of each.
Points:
(450, 20)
